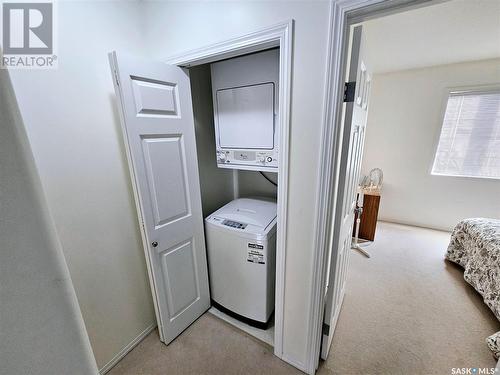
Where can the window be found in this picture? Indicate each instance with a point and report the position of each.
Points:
(469, 144)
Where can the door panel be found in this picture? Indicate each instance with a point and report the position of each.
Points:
(155, 98)
(158, 126)
(353, 133)
(166, 171)
(179, 273)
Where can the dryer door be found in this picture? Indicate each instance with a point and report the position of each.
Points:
(246, 117)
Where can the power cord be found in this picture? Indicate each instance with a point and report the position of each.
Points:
(268, 179)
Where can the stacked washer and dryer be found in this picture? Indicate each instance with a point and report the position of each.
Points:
(241, 236)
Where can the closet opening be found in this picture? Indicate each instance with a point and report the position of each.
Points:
(207, 146)
(235, 107)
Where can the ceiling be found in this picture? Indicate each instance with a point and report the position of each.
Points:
(444, 33)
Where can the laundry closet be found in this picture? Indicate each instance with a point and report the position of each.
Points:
(206, 185)
(235, 106)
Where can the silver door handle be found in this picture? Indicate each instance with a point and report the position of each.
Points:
(154, 243)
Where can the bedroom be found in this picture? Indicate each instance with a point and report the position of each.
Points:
(436, 167)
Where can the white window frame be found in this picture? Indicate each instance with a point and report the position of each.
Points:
(477, 89)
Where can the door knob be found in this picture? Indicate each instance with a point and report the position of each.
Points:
(154, 243)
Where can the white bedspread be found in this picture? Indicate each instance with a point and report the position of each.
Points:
(475, 245)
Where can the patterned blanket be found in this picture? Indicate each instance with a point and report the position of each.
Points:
(475, 245)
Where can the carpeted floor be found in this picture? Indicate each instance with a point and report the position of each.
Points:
(208, 346)
(406, 311)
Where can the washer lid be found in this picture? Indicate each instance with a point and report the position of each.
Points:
(251, 211)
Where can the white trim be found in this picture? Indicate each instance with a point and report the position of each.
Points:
(249, 168)
(343, 13)
(325, 204)
(475, 90)
(279, 35)
(270, 37)
(335, 316)
(264, 335)
(131, 345)
(464, 176)
(293, 362)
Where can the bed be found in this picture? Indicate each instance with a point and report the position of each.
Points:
(475, 245)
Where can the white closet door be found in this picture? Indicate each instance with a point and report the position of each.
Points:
(158, 126)
(355, 116)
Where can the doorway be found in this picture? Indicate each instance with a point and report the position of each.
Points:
(404, 101)
(179, 299)
(222, 185)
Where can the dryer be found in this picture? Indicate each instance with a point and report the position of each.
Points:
(241, 248)
(245, 99)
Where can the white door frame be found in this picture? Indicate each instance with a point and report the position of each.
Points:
(279, 35)
(343, 14)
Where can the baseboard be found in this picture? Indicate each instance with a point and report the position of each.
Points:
(411, 224)
(122, 353)
(301, 366)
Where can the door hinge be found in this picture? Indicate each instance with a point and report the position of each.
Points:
(349, 91)
(326, 329)
(116, 77)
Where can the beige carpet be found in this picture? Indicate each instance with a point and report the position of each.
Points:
(407, 311)
(208, 346)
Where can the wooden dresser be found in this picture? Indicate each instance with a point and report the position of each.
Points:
(368, 225)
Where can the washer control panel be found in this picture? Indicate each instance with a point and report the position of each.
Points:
(234, 224)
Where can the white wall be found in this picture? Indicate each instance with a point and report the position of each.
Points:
(253, 184)
(175, 27)
(404, 123)
(455, 31)
(41, 325)
(72, 123)
(216, 184)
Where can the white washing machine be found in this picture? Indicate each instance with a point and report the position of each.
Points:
(241, 248)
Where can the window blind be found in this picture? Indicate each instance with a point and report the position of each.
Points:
(469, 144)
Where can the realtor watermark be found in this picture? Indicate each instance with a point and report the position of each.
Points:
(474, 371)
(28, 35)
